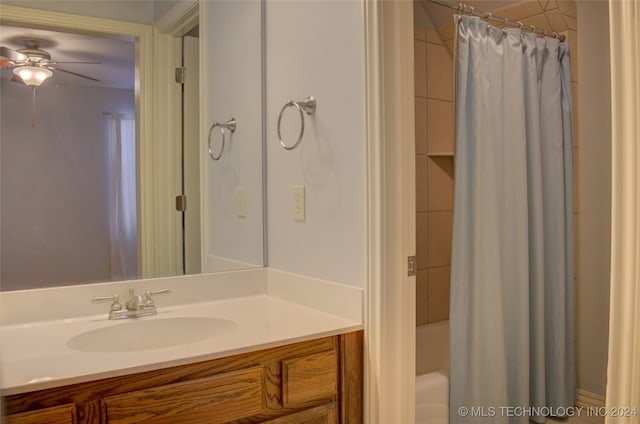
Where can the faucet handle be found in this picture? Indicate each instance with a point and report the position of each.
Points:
(115, 299)
(148, 294)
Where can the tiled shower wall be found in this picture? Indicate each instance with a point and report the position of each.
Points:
(433, 52)
(434, 174)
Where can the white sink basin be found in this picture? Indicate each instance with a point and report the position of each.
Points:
(149, 333)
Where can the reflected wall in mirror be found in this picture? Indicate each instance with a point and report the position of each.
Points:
(60, 184)
(233, 90)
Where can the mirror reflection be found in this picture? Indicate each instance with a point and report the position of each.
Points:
(72, 194)
(234, 91)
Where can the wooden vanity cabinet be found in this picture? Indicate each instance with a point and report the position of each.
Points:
(64, 414)
(313, 382)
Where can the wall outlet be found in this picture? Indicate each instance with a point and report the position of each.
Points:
(298, 203)
(241, 202)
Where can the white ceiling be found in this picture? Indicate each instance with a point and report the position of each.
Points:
(140, 11)
(117, 55)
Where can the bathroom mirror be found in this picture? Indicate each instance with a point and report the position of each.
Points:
(58, 218)
(233, 92)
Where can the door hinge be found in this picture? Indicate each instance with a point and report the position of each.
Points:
(411, 261)
(181, 203)
(180, 74)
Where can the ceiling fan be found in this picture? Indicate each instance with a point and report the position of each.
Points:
(32, 66)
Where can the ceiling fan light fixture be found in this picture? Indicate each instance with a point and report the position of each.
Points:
(33, 76)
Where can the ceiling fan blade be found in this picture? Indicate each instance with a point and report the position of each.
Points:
(83, 63)
(72, 73)
(11, 54)
(6, 64)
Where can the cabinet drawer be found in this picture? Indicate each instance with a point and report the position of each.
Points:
(64, 414)
(309, 378)
(211, 400)
(323, 414)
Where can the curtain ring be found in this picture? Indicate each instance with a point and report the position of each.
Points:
(229, 125)
(520, 25)
(308, 105)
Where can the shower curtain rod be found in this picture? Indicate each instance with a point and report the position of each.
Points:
(470, 10)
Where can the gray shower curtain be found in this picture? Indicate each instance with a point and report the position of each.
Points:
(511, 319)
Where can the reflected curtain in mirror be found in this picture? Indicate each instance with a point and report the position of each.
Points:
(121, 135)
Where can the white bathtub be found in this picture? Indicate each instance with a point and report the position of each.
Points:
(432, 369)
(432, 398)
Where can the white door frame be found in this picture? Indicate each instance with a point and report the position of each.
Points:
(390, 323)
(168, 31)
(143, 34)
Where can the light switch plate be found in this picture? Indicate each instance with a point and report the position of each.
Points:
(298, 203)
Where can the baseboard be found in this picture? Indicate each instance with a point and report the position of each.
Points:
(588, 399)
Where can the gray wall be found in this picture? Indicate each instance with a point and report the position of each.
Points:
(594, 107)
(55, 184)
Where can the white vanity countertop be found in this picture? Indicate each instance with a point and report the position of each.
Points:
(38, 355)
(279, 309)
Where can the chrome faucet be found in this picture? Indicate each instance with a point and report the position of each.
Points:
(135, 302)
(135, 307)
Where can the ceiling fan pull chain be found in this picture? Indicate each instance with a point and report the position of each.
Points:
(33, 115)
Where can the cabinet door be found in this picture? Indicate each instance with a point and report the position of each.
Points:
(218, 399)
(323, 414)
(309, 378)
(64, 414)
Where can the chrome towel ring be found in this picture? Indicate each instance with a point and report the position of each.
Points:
(229, 125)
(309, 106)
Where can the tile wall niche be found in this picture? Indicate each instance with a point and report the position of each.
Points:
(434, 92)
